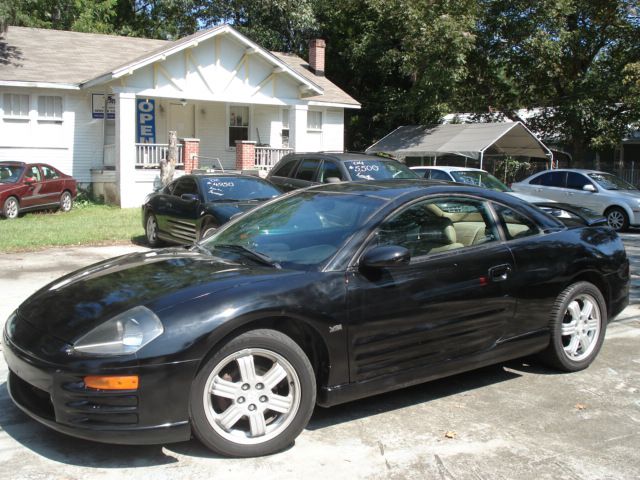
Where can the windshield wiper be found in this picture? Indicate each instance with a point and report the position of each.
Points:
(200, 248)
(260, 257)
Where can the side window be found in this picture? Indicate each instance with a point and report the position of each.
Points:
(185, 185)
(514, 224)
(550, 179)
(285, 169)
(49, 173)
(329, 169)
(307, 169)
(439, 225)
(438, 175)
(34, 173)
(576, 180)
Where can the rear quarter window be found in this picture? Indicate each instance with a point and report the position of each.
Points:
(285, 169)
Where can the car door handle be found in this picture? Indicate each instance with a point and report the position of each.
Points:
(499, 273)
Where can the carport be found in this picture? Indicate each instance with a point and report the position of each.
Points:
(470, 140)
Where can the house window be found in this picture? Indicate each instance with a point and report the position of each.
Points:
(314, 120)
(16, 106)
(49, 108)
(285, 128)
(238, 124)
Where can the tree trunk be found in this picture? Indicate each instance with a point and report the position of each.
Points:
(168, 165)
(578, 153)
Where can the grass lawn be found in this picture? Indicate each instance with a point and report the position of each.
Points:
(89, 225)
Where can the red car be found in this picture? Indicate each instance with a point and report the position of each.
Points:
(34, 186)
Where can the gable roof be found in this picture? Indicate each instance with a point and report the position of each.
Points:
(472, 140)
(63, 59)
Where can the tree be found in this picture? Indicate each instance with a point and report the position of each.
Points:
(571, 59)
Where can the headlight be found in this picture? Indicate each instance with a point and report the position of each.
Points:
(10, 325)
(124, 334)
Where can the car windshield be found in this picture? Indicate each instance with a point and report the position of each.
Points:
(10, 173)
(377, 170)
(610, 182)
(300, 231)
(479, 178)
(218, 189)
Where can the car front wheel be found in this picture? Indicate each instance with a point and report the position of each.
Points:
(254, 396)
(66, 202)
(151, 231)
(11, 208)
(617, 219)
(578, 325)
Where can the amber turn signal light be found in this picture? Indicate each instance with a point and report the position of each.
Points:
(108, 382)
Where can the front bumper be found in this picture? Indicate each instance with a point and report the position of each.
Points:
(157, 412)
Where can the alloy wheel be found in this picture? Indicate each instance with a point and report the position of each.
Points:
(65, 202)
(11, 208)
(616, 219)
(152, 230)
(581, 327)
(251, 396)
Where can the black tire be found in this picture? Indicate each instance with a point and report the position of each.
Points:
(242, 392)
(11, 208)
(66, 202)
(557, 354)
(617, 219)
(208, 228)
(151, 230)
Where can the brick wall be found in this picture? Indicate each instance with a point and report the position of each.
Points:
(190, 152)
(245, 154)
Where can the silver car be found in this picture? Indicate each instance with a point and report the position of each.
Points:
(472, 176)
(602, 192)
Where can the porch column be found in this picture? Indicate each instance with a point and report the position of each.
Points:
(126, 148)
(190, 152)
(245, 155)
(298, 128)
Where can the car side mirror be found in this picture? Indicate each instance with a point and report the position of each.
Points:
(385, 257)
(29, 181)
(190, 197)
(589, 188)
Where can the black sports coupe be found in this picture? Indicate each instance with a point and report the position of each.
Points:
(194, 206)
(321, 296)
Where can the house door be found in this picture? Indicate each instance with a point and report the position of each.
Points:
(181, 120)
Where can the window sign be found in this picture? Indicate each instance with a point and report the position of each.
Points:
(146, 120)
(98, 106)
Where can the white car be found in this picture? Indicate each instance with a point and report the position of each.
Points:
(602, 192)
(473, 176)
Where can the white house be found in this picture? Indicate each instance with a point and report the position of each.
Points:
(100, 107)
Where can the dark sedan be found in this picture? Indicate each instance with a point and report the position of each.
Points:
(321, 296)
(26, 187)
(194, 206)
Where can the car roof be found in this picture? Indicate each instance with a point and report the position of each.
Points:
(447, 168)
(577, 170)
(12, 163)
(339, 156)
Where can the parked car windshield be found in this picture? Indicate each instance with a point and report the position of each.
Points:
(10, 173)
(234, 188)
(377, 170)
(300, 232)
(611, 182)
(481, 179)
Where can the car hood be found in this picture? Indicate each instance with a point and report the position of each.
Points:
(225, 210)
(635, 194)
(76, 303)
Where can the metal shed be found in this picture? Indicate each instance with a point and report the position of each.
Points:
(471, 140)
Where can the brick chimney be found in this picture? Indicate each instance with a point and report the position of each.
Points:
(316, 55)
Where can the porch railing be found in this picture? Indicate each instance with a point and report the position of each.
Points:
(150, 154)
(109, 156)
(267, 157)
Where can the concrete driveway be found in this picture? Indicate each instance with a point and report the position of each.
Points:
(514, 420)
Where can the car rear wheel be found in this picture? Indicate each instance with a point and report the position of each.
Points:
(151, 231)
(66, 202)
(617, 219)
(11, 208)
(578, 325)
(254, 396)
